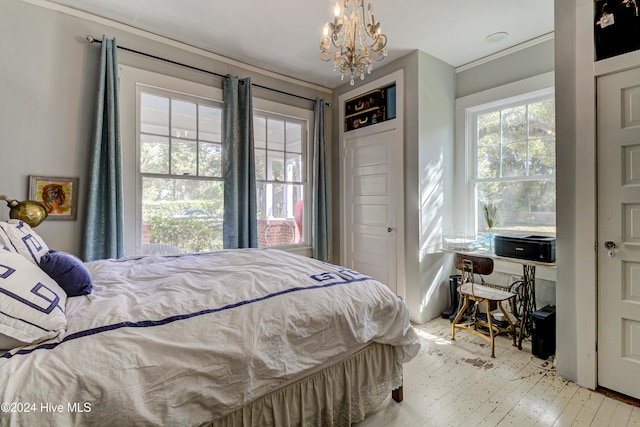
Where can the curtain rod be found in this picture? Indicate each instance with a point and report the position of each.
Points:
(92, 39)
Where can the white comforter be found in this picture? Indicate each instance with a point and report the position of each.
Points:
(184, 340)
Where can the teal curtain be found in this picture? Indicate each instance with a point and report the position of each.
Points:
(320, 227)
(240, 225)
(104, 221)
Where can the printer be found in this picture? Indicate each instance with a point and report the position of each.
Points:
(526, 246)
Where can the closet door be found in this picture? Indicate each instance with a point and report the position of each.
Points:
(618, 150)
(372, 197)
(373, 194)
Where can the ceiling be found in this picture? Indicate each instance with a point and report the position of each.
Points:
(283, 35)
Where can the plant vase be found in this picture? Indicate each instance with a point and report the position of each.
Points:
(488, 241)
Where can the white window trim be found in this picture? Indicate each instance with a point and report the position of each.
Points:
(129, 78)
(471, 124)
(283, 110)
(466, 108)
(464, 218)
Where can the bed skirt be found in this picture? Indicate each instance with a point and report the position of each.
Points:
(339, 395)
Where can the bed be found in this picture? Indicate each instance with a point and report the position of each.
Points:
(227, 338)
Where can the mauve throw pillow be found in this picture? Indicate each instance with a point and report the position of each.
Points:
(68, 271)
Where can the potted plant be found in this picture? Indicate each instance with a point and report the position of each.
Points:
(491, 216)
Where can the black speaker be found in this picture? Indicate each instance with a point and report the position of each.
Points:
(543, 340)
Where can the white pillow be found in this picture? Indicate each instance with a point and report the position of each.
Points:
(19, 237)
(32, 305)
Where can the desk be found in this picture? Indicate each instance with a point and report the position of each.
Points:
(526, 293)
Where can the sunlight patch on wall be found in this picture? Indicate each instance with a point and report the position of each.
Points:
(437, 279)
(431, 205)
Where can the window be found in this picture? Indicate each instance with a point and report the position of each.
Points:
(513, 162)
(280, 151)
(180, 140)
(180, 162)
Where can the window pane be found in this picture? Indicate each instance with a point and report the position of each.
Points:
(210, 158)
(489, 162)
(210, 123)
(294, 199)
(294, 138)
(261, 161)
(275, 166)
(542, 119)
(489, 129)
(514, 159)
(183, 158)
(514, 124)
(280, 214)
(260, 131)
(278, 206)
(154, 114)
(261, 196)
(275, 135)
(542, 156)
(294, 168)
(181, 213)
(154, 154)
(526, 206)
(183, 119)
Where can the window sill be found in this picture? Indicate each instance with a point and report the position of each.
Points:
(298, 250)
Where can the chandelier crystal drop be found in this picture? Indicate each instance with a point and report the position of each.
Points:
(353, 41)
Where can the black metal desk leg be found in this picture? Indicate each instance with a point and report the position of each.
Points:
(528, 303)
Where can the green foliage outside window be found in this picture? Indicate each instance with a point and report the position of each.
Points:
(516, 166)
(192, 226)
(189, 234)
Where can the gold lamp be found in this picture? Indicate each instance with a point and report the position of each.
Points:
(29, 211)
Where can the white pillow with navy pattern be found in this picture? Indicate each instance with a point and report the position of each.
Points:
(19, 237)
(32, 305)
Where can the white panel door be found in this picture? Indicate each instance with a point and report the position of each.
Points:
(619, 232)
(373, 194)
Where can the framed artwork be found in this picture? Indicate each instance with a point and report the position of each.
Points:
(59, 195)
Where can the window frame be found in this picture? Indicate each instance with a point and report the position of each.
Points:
(464, 215)
(130, 77)
(305, 180)
(472, 123)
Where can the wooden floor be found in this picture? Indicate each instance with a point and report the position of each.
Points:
(453, 383)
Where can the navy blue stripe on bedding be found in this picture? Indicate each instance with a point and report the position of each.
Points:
(343, 277)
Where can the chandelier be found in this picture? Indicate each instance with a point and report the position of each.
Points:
(353, 40)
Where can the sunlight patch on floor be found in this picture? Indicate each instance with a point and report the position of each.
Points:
(433, 339)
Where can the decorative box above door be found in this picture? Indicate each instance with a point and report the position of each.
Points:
(370, 108)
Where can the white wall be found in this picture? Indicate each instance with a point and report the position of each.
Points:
(576, 204)
(435, 177)
(518, 63)
(47, 92)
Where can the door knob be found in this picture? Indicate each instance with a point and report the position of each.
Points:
(609, 244)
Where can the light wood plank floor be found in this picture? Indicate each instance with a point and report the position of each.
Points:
(453, 383)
